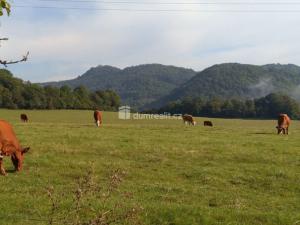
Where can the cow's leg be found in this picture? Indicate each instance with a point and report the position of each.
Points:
(2, 170)
(287, 130)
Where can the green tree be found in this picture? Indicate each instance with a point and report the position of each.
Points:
(53, 98)
(6, 98)
(82, 98)
(66, 97)
(34, 96)
(213, 107)
(266, 107)
(250, 108)
(227, 109)
(274, 104)
(239, 108)
(4, 5)
(14, 93)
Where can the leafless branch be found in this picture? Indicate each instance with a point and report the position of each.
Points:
(5, 63)
(3, 39)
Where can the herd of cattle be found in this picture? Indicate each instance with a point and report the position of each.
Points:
(10, 146)
(188, 119)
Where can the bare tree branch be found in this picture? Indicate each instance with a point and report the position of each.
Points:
(5, 6)
(3, 39)
(5, 63)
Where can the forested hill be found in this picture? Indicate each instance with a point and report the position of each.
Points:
(238, 81)
(17, 94)
(269, 106)
(137, 85)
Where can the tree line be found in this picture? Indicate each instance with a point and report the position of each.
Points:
(266, 107)
(17, 94)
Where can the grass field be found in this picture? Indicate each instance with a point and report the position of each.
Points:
(151, 171)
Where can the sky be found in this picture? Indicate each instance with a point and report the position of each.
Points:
(64, 43)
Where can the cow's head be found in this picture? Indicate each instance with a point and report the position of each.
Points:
(17, 158)
(194, 123)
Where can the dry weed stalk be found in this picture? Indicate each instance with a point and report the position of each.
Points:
(92, 204)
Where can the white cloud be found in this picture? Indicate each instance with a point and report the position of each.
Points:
(66, 46)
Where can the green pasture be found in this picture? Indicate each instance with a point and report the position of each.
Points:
(237, 172)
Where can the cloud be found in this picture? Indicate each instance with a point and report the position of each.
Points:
(64, 44)
(262, 88)
(296, 93)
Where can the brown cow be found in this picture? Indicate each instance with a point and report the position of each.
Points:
(188, 119)
(207, 123)
(24, 118)
(283, 124)
(9, 146)
(98, 117)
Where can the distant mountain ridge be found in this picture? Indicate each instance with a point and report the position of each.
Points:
(136, 85)
(154, 85)
(239, 81)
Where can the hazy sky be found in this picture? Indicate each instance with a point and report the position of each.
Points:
(65, 43)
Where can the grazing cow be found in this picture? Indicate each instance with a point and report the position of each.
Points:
(9, 146)
(283, 124)
(188, 119)
(24, 118)
(207, 123)
(98, 117)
